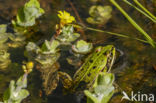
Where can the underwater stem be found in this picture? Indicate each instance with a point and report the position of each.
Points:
(19, 87)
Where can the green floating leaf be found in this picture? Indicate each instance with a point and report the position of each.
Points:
(46, 55)
(103, 89)
(99, 14)
(106, 99)
(106, 79)
(82, 47)
(22, 94)
(90, 97)
(49, 47)
(27, 15)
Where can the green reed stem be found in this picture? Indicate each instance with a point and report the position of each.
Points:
(144, 13)
(147, 37)
(111, 33)
(142, 7)
(116, 34)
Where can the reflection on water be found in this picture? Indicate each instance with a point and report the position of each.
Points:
(134, 71)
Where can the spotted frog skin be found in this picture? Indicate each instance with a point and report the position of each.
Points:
(101, 60)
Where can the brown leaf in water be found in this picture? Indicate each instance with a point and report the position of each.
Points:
(50, 77)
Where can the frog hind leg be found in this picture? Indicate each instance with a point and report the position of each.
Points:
(66, 80)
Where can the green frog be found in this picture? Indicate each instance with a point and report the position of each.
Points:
(101, 60)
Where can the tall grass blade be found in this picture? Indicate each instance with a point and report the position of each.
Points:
(142, 7)
(116, 34)
(144, 13)
(147, 37)
(108, 32)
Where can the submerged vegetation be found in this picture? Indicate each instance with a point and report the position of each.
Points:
(93, 64)
(4, 55)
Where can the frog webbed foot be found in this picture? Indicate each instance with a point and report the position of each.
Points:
(65, 79)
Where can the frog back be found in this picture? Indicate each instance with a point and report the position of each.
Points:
(93, 65)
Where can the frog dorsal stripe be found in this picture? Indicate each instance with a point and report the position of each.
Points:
(113, 58)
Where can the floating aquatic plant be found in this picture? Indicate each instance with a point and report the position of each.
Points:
(25, 22)
(103, 89)
(46, 58)
(46, 55)
(82, 47)
(67, 35)
(99, 14)
(27, 14)
(50, 47)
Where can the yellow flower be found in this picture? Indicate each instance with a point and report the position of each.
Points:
(28, 67)
(65, 17)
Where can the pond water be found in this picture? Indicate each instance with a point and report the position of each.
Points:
(135, 67)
